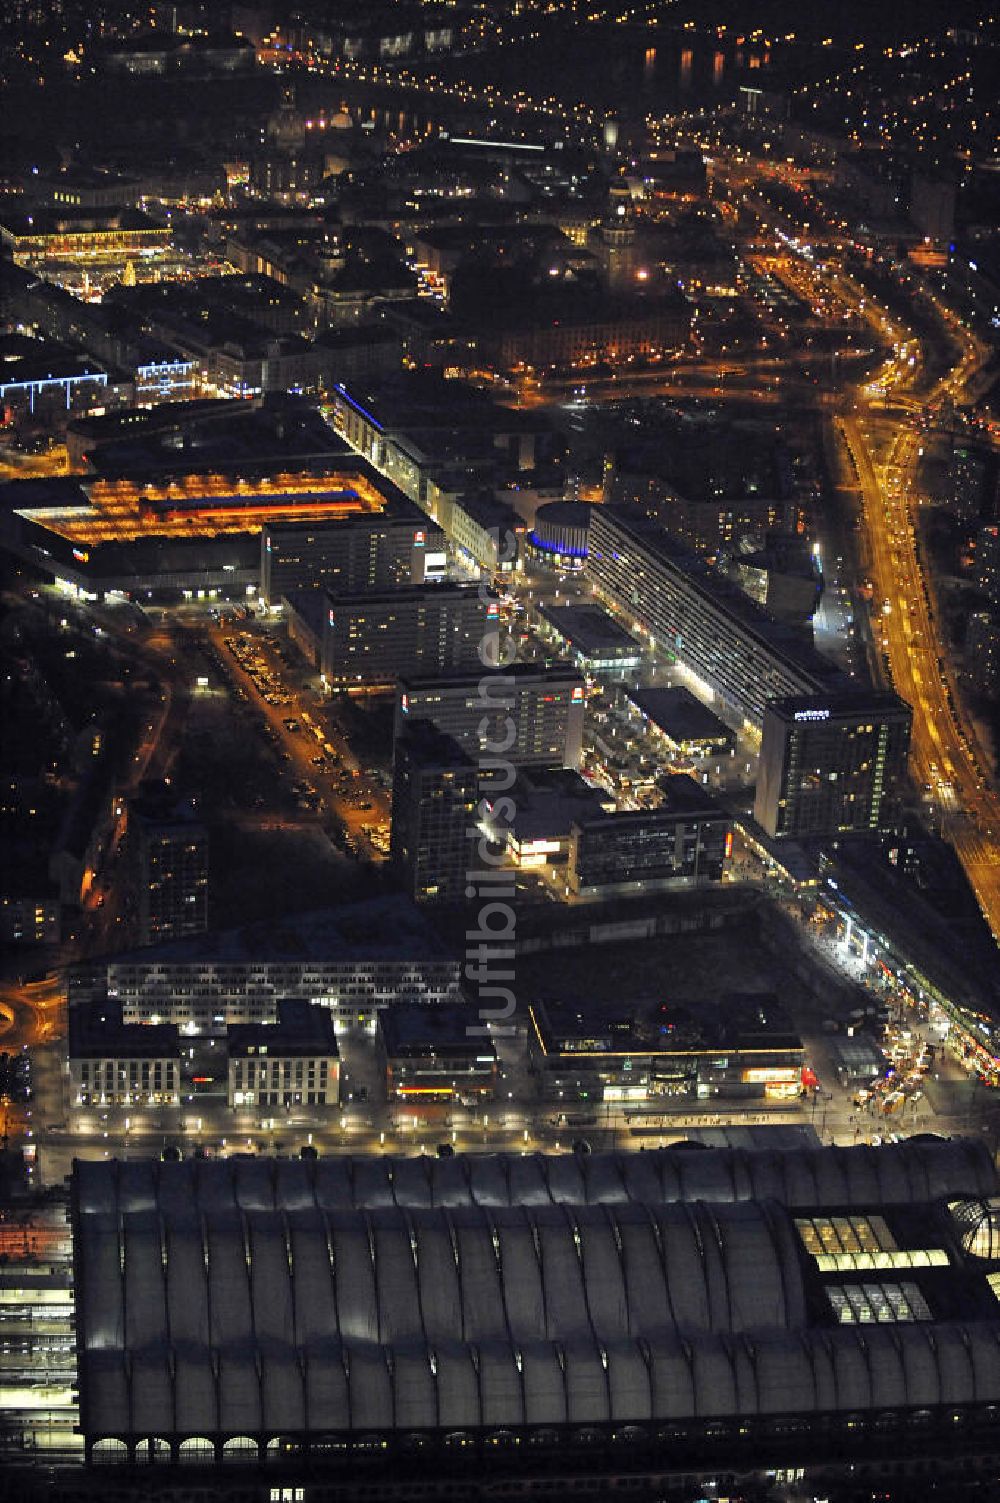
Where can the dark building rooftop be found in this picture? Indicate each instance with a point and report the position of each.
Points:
(414, 1028)
(679, 714)
(590, 630)
(158, 804)
(388, 928)
(735, 1021)
(302, 1028)
(96, 1031)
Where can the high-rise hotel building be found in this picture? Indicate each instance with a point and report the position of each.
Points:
(831, 765)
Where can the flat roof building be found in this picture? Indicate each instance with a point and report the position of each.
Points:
(741, 1046)
(293, 1061)
(369, 551)
(548, 802)
(689, 612)
(113, 1063)
(190, 529)
(591, 638)
(544, 705)
(429, 1053)
(832, 764)
(686, 726)
(682, 843)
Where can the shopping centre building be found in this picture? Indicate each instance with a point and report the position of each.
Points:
(192, 531)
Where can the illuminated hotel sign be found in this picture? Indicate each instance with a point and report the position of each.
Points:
(812, 714)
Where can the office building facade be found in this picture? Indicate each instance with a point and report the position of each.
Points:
(352, 960)
(373, 639)
(204, 996)
(112, 1063)
(737, 1047)
(684, 843)
(831, 765)
(688, 612)
(429, 1054)
(368, 551)
(434, 793)
(291, 1062)
(528, 714)
(167, 850)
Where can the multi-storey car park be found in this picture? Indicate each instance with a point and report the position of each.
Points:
(391, 1327)
(197, 531)
(686, 610)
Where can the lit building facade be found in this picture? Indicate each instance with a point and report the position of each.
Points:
(831, 764)
(982, 653)
(688, 612)
(529, 714)
(434, 791)
(429, 1054)
(558, 539)
(352, 960)
(70, 234)
(370, 551)
(374, 638)
(590, 638)
(737, 1048)
(196, 530)
(112, 1063)
(293, 1061)
(40, 1412)
(30, 921)
(988, 563)
(167, 850)
(683, 843)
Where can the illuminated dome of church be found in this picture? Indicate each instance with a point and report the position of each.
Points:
(286, 128)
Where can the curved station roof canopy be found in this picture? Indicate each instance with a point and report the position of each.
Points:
(270, 1302)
